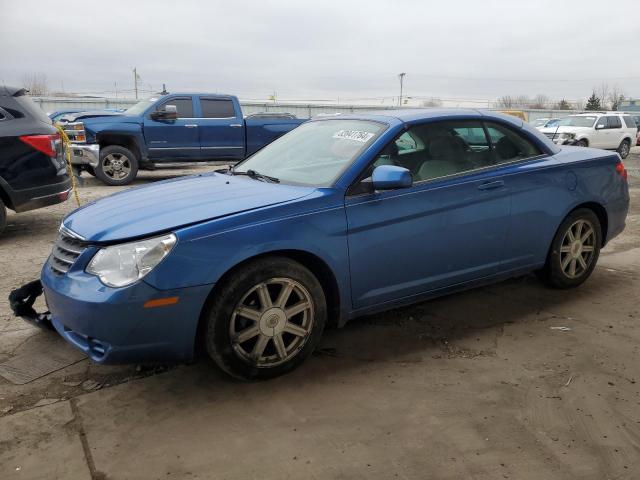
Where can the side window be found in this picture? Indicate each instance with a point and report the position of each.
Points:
(629, 122)
(217, 108)
(474, 136)
(184, 106)
(408, 143)
(440, 149)
(602, 122)
(614, 122)
(508, 145)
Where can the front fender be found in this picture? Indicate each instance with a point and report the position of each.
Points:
(98, 132)
(205, 252)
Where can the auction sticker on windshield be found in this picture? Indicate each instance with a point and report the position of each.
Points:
(355, 135)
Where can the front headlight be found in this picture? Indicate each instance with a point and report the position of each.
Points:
(566, 136)
(121, 265)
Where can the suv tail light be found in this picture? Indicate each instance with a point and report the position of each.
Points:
(43, 143)
(621, 170)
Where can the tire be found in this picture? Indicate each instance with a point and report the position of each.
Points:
(3, 216)
(582, 143)
(564, 254)
(240, 306)
(624, 149)
(117, 165)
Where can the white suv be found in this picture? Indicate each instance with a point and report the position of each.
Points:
(610, 131)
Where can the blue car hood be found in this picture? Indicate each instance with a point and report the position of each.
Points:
(167, 205)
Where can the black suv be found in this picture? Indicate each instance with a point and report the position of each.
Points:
(33, 172)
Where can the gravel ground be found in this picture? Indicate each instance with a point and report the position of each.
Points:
(475, 385)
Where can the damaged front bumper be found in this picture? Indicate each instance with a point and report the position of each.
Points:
(21, 301)
(88, 154)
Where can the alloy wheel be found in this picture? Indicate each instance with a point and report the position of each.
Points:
(272, 322)
(116, 166)
(577, 249)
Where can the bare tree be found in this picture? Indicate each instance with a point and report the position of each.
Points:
(540, 102)
(36, 83)
(616, 97)
(509, 101)
(602, 92)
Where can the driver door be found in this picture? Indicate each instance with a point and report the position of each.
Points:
(171, 140)
(449, 228)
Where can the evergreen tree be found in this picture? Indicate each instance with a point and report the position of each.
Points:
(594, 102)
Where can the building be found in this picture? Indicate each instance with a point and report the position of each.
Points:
(630, 105)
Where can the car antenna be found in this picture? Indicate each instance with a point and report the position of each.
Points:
(555, 133)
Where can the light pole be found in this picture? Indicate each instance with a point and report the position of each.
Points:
(401, 77)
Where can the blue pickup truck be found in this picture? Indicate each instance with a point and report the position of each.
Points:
(177, 129)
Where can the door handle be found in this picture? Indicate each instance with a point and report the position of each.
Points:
(191, 125)
(491, 185)
(236, 125)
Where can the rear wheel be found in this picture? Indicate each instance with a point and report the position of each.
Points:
(3, 216)
(624, 149)
(266, 319)
(574, 250)
(117, 165)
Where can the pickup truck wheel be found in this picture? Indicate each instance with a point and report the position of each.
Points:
(574, 251)
(582, 143)
(624, 149)
(117, 166)
(3, 216)
(266, 319)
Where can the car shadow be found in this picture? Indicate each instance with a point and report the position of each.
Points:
(466, 325)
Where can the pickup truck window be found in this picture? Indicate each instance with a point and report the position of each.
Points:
(315, 153)
(217, 108)
(140, 107)
(183, 104)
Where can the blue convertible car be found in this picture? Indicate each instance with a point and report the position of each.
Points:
(340, 217)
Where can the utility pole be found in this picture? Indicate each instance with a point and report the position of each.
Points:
(135, 81)
(401, 77)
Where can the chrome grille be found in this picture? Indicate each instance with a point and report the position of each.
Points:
(65, 252)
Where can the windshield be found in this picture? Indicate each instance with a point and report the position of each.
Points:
(140, 107)
(315, 153)
(577, 122)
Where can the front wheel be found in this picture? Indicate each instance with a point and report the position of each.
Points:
(624, 149)
(117, 165)
(266, 319)
(574, 250)
(582, 143)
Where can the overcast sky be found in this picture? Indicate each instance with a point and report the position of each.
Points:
(326, 49)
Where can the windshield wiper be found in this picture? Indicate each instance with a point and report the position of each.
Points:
(255, 175)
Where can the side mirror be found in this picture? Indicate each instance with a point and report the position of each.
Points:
(391, 177)
(599, 126)
(168, 112)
